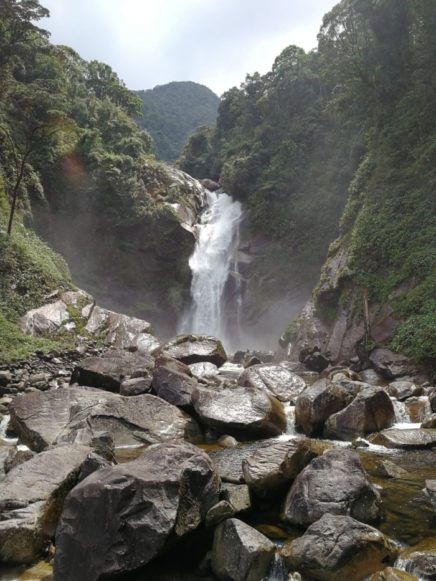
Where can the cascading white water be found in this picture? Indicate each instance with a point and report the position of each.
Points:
(211, 263)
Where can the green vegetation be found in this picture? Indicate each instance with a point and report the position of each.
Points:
(172, 112)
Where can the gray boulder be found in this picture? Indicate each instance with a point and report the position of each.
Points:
(317, 403)
(404, 389)
(392, 365)
(195, 349)
(420, 560)
(371, 411)
(412, 439)
(240, 553)
(46, 319)
(237, 495)
(77, 414)
(173, 381)
(270, 471)
(120, 518)
(111, 369)
(333, 483)
(430, 488)
(31, 500)
(228, 462)
(243, 412)
(339, 548)
(135, 386)
(279, 381)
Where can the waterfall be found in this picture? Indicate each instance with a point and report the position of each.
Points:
(212, 263)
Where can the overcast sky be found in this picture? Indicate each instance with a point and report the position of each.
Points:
(213, 42)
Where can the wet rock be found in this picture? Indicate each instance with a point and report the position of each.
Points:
(16, 457)
(92, 463)
(245, 413)
(227, 441)
(419, 560)
(238, 495)
(209, 184)
(387, 469)
(204, 370)
(270, 471)
(279, 381)
(195, 349)
(79, 413)
(314, 360)
(173, 381)
(145, 505)
(403, 389)
(31, 499)
(430, 488)
(390, 364)
(413, 439)
(110, 370)
(240, 553)
(333, 483)
(392, 574)
(219, 512)
(228, 462)
(339, 547)
(418, 408)
(429, 423)
(317, 403)
(370, 411)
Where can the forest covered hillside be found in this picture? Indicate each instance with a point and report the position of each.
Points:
(338, 143)
(172, 112)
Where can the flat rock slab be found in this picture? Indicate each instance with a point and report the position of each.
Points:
(284, 384)
(333, 483)
(108, 371)
(31, 499)
(413, 439)
(243, 412)
(195, 349)
(120, 518)
(74, 414)
(339, 548)
(228, 462)
(240, 552)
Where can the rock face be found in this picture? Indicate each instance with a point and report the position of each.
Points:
(76, 413)
(371, 410)
(173, 381)
(339, 547)
(241, 412)
(405, 439)
(195, 349)
(333, 483)
(317, 403)
(270, 471)
(390, 364)
(124, 516)
(277, 380)
(112, 368)
(240, 553)
(31, 499)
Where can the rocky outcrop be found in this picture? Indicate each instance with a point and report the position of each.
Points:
(145, 505)
(112, 368)
(270, 471)
(76, 414)
(243, 412)
(402, 390)
(195, 349)
(333, 483)
(317, 403)
(339, 547)
(392, 365)
(277, 380)
(370, 411)
(410, 439)
(31, 499)
(240, 553)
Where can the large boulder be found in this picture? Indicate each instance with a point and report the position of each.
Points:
(243, 412)
(173, 381)
(31, 500)
(333, 483)
(371, 411)
(112, 368)
(240, 552)
(339, 547)
(392, 365)
(195, 349)
(317, 403)
(270, 471)
(228, 462)
(410, 439)
(46, 319)
(122, 517)
(76, 413)
(277, 380)
(404, 389)
(420, 560)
